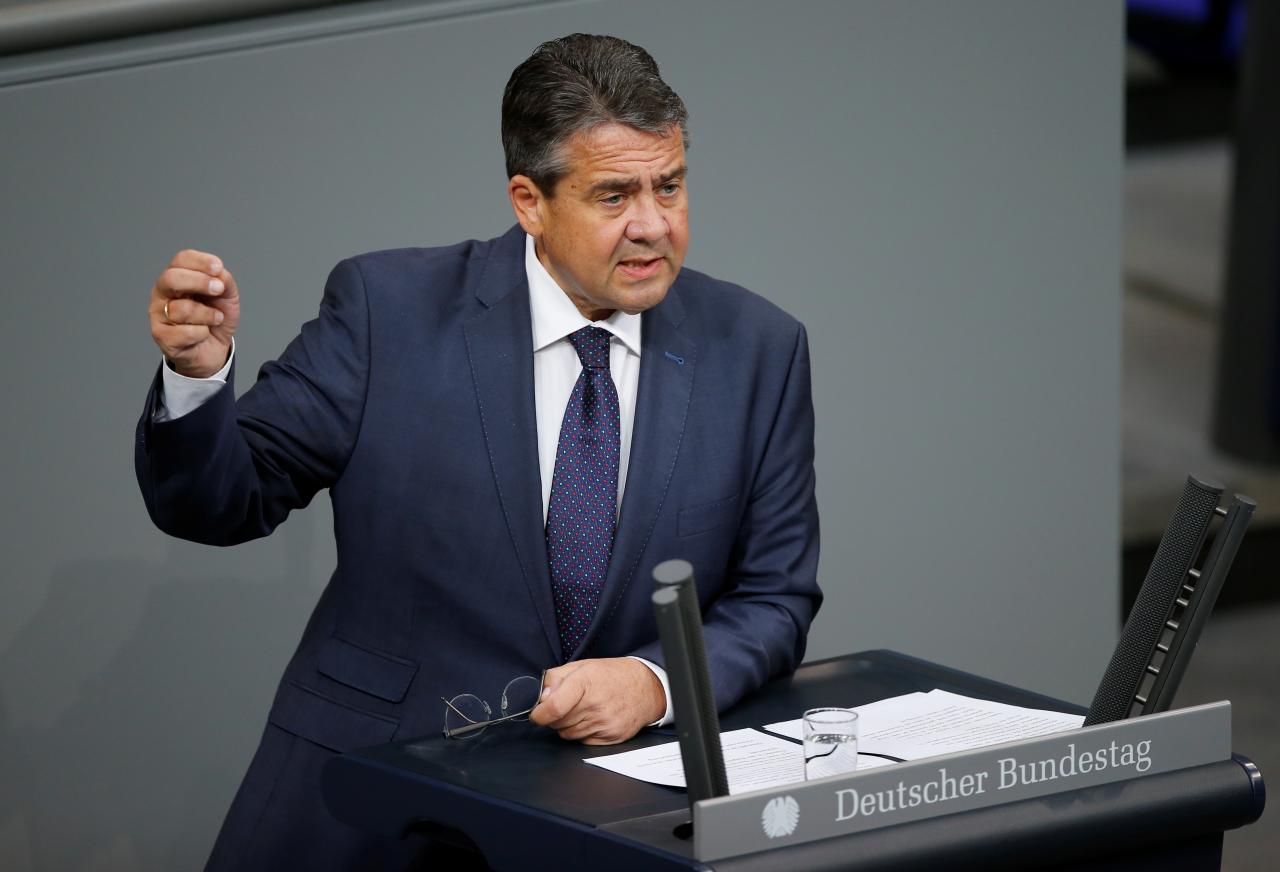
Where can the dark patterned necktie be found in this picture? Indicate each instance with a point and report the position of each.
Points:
(584, 491)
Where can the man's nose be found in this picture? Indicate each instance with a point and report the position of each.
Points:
(647, 221)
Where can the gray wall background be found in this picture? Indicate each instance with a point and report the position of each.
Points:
(932, 187)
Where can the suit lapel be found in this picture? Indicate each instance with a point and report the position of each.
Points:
(500, 347)
(666, 382)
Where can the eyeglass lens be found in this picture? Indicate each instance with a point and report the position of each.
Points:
(521, 695)
(466, 709)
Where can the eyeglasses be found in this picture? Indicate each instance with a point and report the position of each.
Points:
(467, 715)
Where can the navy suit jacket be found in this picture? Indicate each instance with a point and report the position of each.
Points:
(410, 397)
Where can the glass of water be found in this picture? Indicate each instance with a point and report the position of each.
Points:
(830, 742)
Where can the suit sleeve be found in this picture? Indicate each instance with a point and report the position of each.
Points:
(232, 471)
(756, 628)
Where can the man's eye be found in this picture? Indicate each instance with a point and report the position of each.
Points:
(670, 189)
(612, 200)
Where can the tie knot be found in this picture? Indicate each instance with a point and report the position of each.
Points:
(592, 345)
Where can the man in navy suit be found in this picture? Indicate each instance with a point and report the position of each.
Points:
(513, 434)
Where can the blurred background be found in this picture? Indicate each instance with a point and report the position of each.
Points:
(1201, 287)
(1036, 245)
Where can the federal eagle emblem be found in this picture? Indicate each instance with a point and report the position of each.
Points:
(780, 816)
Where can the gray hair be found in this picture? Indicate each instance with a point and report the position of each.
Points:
(572, 84)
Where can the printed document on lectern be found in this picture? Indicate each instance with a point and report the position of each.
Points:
(909, 727)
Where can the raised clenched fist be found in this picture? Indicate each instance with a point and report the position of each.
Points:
(194, 310)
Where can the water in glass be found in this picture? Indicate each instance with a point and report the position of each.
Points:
(828, 754)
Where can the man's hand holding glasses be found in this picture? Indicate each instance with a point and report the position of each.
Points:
(596, 702)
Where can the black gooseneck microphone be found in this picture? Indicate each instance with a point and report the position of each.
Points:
(675, 606)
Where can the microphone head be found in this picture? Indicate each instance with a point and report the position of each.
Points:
(665, 596)
(673, 572)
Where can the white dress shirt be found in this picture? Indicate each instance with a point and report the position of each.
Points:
(555, 371)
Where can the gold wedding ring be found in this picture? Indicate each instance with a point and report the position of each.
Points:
(166, 312)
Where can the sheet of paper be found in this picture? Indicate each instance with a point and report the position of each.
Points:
(872, 717)
(921, 725)
(753, 761)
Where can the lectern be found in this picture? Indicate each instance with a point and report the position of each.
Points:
(526, 800)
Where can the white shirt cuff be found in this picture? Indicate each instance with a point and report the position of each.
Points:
(180, 395)
(667, 716)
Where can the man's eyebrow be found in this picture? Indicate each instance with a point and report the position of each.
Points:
(678, 173)
(632, 183)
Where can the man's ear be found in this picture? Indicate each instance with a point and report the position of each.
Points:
(527, 200)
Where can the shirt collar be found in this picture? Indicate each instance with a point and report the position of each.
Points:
(555, 316)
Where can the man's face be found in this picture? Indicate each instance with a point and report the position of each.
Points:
(615, 233)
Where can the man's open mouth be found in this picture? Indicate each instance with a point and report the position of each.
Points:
(640, 267)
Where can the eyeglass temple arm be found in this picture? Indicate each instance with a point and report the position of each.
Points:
(479, 725)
